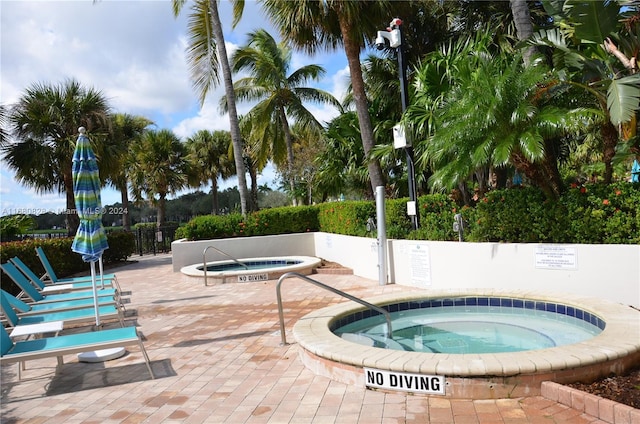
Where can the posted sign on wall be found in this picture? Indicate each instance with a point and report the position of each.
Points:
(556, 257)
(415, 383)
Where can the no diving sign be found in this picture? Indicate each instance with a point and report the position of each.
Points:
(415, 383)
(252, 278)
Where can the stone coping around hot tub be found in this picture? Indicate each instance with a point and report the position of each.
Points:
(312, 332)
(306, 262)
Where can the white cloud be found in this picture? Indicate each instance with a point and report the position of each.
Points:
(132, 51)
(341, 80)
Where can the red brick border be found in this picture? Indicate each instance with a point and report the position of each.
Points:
(603, 409)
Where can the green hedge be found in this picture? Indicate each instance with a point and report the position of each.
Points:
(604, 214)
(590, 214)
(281, 220)
(349, 218)
(58, 251)
(585, 214)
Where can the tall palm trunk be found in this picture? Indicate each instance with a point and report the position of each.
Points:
(72, 220)
(161, 210)
(253, 175)
(236, 137)
(352, 50)
(214, 196)
(524, 26)
(289, 143)
(126, 219)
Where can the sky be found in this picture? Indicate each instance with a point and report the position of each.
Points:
(134, 53)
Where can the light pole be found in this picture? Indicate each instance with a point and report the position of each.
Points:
(393, 35)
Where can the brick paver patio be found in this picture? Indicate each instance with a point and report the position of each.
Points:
(217, 357)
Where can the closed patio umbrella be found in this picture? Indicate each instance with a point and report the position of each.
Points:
(90, 240)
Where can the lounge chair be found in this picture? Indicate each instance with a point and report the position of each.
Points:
(39, 304)
(11, 306)
(12, 352)
(29, 290)
(50, 275)
(53, 288)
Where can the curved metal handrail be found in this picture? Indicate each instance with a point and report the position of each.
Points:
(387, 316)
(204, 260)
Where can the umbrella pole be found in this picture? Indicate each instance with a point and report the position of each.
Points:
(95, 293)
(101, 274)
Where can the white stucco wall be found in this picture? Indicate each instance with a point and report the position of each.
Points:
(605, 271)
(190, 252)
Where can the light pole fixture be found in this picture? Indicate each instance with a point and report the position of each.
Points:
(393, 38)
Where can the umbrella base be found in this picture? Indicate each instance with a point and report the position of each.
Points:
(102, 355)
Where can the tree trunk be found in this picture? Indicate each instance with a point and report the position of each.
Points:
(236, 137)
(536, 175)
(352, 49)
(161, 210)
(214, 196)
(253, 174)
(610, 140)
(524, 26)
(72, 220)
(289, 143)
(126, 219)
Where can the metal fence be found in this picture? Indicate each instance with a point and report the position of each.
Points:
(154, 240)
(149, 240)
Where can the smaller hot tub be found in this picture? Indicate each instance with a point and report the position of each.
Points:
(247, 270)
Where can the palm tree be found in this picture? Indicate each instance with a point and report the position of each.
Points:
(209, 159)
(4, 135)
(206, 51)
(280, 95)
(125, 129)
(159, 168)
(491, 112)
(314, 25)
(582, 51)
(44, 122)
(341, 164)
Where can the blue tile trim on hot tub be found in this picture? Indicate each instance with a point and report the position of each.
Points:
(504, 302)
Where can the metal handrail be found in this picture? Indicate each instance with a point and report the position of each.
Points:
(387, 316)
(204, 260)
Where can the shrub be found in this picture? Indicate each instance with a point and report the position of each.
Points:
(437, 212)
(348, 218)
(122, 244)
(519, 215)
(604, 213)
(282, 220)
(62, 259)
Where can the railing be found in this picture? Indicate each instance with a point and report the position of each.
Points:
(204, 260)
(389, 332)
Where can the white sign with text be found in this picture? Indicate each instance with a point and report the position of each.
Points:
(556, 257)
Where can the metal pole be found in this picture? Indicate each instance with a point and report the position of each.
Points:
(404, 96)
(283, 337)
(382, 236)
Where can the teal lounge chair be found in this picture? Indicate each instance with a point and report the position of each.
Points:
(54, 288)
(41, 303)
(12, 352)
(29, 290)
(11, 305)
(50, 275)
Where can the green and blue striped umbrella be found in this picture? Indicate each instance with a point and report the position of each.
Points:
(90, 240)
